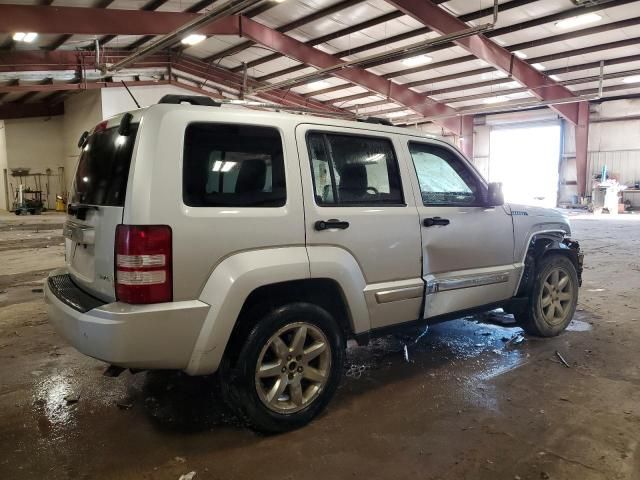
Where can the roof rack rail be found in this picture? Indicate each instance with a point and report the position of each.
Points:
(192, 99)
(376, 120)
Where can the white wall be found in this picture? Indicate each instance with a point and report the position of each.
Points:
(117, 100)
(3, 167)
(36, 143)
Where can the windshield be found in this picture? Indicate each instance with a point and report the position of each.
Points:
(103, 169)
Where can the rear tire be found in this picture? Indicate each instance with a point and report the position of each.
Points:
(553, 299)
(287, 369)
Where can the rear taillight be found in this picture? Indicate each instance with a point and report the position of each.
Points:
(143, 264)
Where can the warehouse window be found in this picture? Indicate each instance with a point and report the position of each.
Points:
(233, 166)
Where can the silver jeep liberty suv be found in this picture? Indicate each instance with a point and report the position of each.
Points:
(211, 238)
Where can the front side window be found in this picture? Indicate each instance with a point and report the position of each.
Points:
(353, 170)
(443, 177)
(233, 166)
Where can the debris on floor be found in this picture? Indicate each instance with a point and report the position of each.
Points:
(515, 340)
(124, 405)
(72, 398)
(187, 476)
(564, 362)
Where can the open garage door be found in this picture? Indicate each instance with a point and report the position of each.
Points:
(525, 159)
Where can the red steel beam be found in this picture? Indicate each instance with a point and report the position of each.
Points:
(99, 21)
(540, 86)
(10, 111)
(211, 73)
(40, 60)
(301, 52)
(34, 60)
(582, 143)
(139, 22)
(62, 87)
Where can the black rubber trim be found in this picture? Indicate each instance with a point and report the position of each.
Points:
(68, 293)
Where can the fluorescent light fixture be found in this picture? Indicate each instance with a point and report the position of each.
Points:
(500, 74)
(633, 79)
(220, 166)
(374, 158)
(500, 41)
(554, 77)
(280, 1)
(25, 37)
(396, 114)
(538, 66)
(227, 166)
(578, 21)
(193, 39)
(416, 61)
(520, 54)
(320, 84)
(491, 100)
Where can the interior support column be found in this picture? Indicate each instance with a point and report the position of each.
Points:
(582, 143)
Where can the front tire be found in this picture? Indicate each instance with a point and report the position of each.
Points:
(287, 369)
(553, 299)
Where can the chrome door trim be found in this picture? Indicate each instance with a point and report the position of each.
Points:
(434, 286)
(396, 294)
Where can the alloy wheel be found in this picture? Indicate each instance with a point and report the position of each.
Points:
(556, 296)
(293, 367)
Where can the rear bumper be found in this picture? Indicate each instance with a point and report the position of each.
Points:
(156, 336)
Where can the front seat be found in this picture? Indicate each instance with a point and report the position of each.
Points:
(252, 176)
(353, 182)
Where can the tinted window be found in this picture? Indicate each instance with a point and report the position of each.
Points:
(354, 170)
(443, 177)
(103, 168)
(233, 166)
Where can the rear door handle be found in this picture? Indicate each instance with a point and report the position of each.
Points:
(430, 222)
(331, 223)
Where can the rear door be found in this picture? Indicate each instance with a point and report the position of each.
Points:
(467, 247)
(358, 199)
(96, 207)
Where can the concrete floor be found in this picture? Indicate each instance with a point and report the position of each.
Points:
(468, 404)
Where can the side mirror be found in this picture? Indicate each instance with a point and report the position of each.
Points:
(495, 197)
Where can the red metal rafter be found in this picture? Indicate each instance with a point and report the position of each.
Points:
(304, 53)
(97, 21)
(20, 61)
(541, 86)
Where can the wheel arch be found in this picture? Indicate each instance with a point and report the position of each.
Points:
(322, 292)
(242, 280)
(540, 246)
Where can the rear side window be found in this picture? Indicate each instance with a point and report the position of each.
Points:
(354, 170)
(103, 168)
(233, 166)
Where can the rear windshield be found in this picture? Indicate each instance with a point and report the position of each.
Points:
(103, 169)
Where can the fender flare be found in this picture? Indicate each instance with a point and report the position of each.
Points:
(237, 276)
(542, 244)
